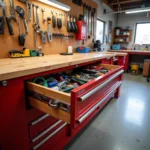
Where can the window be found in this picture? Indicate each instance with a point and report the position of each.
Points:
(100, 30)
(142, 33)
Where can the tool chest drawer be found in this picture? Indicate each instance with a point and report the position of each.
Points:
(84, 87)
(50, 136)
(40, 124)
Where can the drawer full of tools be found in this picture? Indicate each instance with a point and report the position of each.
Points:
(70, 94)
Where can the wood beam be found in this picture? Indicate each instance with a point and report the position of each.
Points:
(126, 2)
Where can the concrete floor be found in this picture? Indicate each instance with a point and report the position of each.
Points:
(124, 124)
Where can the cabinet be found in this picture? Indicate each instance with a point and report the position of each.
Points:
(31, 123)
(122, 36)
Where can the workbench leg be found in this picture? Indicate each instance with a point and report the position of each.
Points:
(126, 66)
(117, 94)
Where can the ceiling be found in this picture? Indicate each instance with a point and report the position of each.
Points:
(126, 4)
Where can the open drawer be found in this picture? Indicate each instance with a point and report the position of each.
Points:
(78, 102)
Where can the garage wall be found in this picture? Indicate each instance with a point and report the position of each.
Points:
(57, 46)
(105, 18)
(131, 20)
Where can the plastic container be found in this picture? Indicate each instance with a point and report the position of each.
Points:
(33, 53)
(69, 49)
(116, 47)
(83, 50)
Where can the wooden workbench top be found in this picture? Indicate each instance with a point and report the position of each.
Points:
(130, 51)
(17, 67)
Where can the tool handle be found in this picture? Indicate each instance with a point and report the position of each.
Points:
(1, 25)
(50, 37)
(29, 12)
(11, 32)
(43, 38)
(25, 25)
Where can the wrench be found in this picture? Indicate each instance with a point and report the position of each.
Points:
(34, 15)
(27, 6)
(44, 18)
(49, 33)
(37, 16)
(21, 13)
(29, 11)
(12, 11)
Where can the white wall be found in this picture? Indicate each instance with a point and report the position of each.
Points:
(131, 20)
(106, 19)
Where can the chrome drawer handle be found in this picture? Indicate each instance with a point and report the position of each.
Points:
(49, 136)
(84, 97)
(98, 104)
(39, 119)
(46, 131)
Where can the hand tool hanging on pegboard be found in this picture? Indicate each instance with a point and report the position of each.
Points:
(59, 21)
(29, 11)
(34, 24)
(72, 24)
(75, 25)
(12, 10)
(85, 13)
(44, 16)
(43, 35)
(29, 8)
(89, 22)
(93, 21)
(49, 33)
(37, 16)
(21, 37)
(53, 20)
(69, 29)
(21, 13)
(3, 6)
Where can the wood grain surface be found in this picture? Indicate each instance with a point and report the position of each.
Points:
(44, 107)
(12, 68)
(128, 51)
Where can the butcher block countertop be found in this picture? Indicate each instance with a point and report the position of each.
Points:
(17, 67)
(131, 51)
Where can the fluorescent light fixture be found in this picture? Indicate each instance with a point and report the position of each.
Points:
(132, 11)
(56, 4)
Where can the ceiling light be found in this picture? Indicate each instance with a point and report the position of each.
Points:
(56, 4)
(132, 11)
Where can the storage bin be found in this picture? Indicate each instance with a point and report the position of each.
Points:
(116, 47)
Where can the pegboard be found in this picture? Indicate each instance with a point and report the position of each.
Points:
(58, 45)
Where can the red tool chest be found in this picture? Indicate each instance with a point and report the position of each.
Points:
(38, 126)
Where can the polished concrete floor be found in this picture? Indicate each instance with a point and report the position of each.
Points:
(124, 124)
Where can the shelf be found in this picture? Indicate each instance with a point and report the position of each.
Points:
(122, 42)
(124, 29)
(123, 36)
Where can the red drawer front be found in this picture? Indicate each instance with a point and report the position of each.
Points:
(107, 61)
(40, 124)
(93, 91)
(48, 140)
(84, 118)
(83, 106)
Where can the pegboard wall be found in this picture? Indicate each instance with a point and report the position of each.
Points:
(58, 45)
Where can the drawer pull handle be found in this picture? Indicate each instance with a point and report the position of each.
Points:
(49, 136)
(46, 131)
(98, 104)
(39, 119)
(84, 97)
